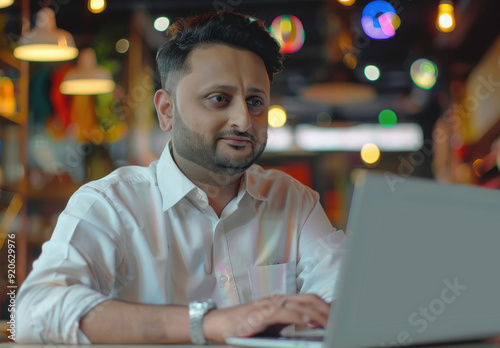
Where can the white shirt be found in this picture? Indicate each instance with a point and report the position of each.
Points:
(148, 235)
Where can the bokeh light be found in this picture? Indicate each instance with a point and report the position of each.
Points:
(289, 32)
(370, 153)
(347, 2)
(372, 73)
(276, 116)
(97, 6)
(446, 17)
(161, 23)
(424, 73)
(122, 45)
(350, 61)
(324, 119)
(379, 20)
(445, 21)
(387, 118)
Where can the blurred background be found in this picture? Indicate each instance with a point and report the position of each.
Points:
(409, 88)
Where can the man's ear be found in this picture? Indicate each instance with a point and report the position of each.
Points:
(164, 103)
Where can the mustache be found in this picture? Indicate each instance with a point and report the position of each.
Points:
(236, 133)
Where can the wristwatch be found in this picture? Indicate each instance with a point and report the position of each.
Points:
(197, 311)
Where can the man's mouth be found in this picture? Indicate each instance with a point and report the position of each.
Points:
(236, 140)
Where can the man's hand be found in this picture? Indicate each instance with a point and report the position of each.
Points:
(255, 317)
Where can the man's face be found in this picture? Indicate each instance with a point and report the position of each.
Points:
(220, 109)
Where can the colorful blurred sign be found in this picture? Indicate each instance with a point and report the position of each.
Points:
(379, 20)
(289, 32)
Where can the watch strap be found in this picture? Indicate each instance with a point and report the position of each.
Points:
(197, 311)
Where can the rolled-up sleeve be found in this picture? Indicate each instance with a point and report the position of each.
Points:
(74, 273)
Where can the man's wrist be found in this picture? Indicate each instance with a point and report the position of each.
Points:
(211, 326)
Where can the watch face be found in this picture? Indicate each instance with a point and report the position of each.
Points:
(198, 305)
(202, 307)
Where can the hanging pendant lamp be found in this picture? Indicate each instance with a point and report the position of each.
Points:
(6, 3)
(45, 42)
(87, 77)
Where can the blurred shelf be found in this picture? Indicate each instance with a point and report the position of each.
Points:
(55, 194)
(9, 59)
(9, 62)
(36, 241)
(11, 119)
(54, 191)
(14, 130)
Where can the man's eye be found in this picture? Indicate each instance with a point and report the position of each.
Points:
(255, 102)
(218, 99)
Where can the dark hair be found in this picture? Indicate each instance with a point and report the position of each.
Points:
(223, 27)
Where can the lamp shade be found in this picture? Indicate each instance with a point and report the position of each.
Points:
(45, 42)
(6, 3)
(87, 77)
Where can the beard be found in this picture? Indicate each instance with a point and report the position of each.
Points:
(200, 149)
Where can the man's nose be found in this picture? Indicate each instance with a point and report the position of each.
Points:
(239, 117)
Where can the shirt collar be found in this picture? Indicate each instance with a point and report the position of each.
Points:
(173, 184)
(253, 183)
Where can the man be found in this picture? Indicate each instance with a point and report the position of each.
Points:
(201, 226)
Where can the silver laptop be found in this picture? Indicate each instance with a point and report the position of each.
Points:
(422, 266)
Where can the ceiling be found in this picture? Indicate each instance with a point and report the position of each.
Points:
(318, 61)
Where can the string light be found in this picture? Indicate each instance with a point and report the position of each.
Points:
(97, 6)
(347, 2)
(445, 21)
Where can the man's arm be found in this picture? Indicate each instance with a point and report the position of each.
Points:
(119, 322)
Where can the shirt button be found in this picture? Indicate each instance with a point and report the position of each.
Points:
(223, 279)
